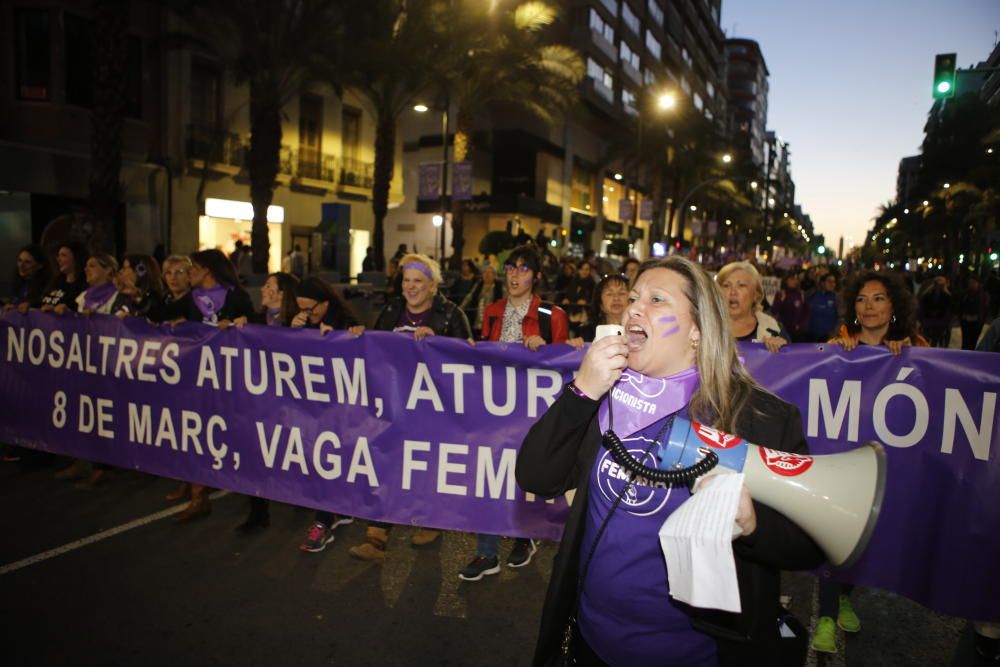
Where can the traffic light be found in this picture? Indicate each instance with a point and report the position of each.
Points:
(944, 75)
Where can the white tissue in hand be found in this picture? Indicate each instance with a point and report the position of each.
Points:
(697, 542)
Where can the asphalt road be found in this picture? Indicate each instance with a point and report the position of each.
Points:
(149, 591)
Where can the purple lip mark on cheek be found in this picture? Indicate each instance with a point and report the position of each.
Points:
(666, 319)
(671, 331)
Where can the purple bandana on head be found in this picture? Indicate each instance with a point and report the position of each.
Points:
(210, 301)
(418, 266)
(95, 297)
(641, 400)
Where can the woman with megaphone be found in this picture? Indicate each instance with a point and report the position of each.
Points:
(608, 600)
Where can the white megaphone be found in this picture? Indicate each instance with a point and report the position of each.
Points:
(835, 499)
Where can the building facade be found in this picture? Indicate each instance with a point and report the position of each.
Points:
(574, 182)
(186, 136)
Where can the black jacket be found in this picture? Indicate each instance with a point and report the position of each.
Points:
(446, 318)
(559, 453)
(237, 304)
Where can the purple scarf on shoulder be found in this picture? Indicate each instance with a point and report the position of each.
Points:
(210, 301)
(95, 297)
(640, 400)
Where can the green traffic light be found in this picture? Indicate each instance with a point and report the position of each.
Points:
(944, 75)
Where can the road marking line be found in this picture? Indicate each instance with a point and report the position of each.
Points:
(97, 537)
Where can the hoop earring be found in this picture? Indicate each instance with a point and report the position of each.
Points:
(893, 321)
(856, 322)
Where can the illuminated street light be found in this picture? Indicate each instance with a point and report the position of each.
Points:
(693, 207)
(947, 185)
(666, 101)
(420, 108)
(437, 220)
(753, 185)
(906, 211)
(727, 158)
(618, 177)
(926, 202)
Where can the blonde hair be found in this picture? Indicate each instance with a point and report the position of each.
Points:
(724, 386)
(106, 261)
(178, 259)
(431, 265)
(750, 269)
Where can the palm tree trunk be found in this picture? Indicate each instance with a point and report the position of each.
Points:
(108, 119)
(265, 149)
(385, 157)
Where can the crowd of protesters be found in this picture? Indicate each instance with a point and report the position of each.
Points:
(524, 296)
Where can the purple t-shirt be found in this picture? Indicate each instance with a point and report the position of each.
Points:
(626, 613)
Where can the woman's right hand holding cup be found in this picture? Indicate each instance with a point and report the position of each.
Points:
(602, 366)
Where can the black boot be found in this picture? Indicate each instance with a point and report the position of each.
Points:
(258, 519)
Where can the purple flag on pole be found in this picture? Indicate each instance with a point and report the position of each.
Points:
(461, 182)
(625, 210)
(646, 209)
(430, 181)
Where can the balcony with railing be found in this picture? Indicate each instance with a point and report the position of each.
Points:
(213, 146)
(356, 173)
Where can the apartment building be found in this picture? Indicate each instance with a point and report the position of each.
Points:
(186, 136)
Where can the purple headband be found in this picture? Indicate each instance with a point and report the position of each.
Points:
(419, 266)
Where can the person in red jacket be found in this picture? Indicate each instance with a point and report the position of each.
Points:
(516, 318)
(521, 317)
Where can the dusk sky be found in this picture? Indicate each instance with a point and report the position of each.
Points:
(850, 88)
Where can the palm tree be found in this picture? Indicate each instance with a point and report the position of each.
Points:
(500, 57)
(393, 53)
(272, 46)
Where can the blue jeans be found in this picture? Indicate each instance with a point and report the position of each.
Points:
(487, 545)
(829, 596)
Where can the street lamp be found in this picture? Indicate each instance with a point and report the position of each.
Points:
(665, 101)
(438, 221)
(727, 158)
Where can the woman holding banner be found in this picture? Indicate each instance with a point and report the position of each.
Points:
(216, 298)
(69, 280)
(277, 298)
(140, 281)
(321, 307)
(420, 312)
(743, 293)
(878, 310)
(608, 598)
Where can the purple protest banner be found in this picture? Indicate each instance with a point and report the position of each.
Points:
(384, 427)
(291, 415)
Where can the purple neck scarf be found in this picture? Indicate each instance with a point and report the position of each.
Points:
(210, 301)
(95, 297)
(641, 400)
(274, 317)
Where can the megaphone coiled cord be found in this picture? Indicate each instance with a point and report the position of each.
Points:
(678, 477)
